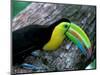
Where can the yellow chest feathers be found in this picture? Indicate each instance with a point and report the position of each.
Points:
(55, 41)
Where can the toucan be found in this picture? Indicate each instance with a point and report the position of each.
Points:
(47, 38)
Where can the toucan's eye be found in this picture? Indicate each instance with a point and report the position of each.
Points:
(65, 26)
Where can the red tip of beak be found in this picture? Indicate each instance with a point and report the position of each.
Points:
(89, 52)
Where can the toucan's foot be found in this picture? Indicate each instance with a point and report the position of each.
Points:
(30, 66)
(27, 66)
(36, 53)
(33, 67)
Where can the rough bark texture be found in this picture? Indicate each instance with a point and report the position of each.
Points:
(68, 56)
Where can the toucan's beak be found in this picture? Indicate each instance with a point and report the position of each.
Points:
(79, 37)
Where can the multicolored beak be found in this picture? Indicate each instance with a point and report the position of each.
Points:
(79, 37)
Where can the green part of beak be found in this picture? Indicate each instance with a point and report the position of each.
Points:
(82, 35)
(77, 42)
(79, 37)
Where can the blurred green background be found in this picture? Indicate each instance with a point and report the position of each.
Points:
(18, 6)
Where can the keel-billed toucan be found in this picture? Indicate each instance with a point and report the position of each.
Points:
(48, 38)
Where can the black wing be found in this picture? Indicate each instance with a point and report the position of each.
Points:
(28, 39)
